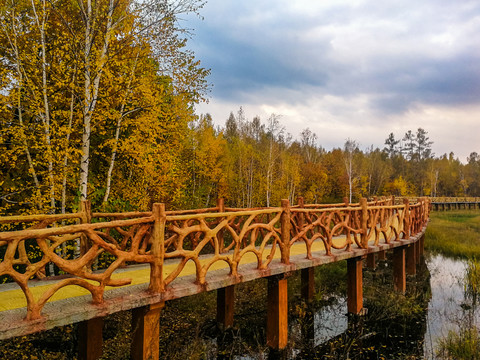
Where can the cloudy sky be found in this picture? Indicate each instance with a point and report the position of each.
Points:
(347, 68)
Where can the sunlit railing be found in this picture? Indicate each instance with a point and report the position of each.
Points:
(85, 248)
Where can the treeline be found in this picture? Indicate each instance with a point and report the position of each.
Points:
(257, 164)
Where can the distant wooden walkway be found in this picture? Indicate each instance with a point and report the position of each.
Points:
(455, 203)
(152, 257)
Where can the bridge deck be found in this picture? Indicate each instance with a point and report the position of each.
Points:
(73, 303)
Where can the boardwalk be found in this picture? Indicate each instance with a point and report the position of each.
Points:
(455, 203)
(149, 258)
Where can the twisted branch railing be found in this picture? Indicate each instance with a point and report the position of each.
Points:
(209, 238)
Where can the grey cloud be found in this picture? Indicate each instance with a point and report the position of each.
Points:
(387, 51)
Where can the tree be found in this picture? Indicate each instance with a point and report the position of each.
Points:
(408, 148)
(423, 145)
(62, 78)
(391, 146)
(349, 149)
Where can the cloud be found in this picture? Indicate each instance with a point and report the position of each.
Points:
(343, 62)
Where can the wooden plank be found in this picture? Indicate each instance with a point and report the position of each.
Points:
(90, 339)
(308, 284)
(399, 276)
(277, 313)
(225, 307)
(354, 285)
(146, 332)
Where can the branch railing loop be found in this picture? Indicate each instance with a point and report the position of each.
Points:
(190, 242)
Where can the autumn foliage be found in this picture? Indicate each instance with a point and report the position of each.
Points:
(97, 101)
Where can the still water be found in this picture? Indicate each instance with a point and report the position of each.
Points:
(449, 309)
(327, 333)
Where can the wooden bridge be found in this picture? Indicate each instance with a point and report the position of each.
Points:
(80, 267)
(455, 203)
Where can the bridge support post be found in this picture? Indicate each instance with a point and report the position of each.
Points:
(308, 284)
(382, 255)
(354, 285)
(411, 259)
(417, 252)
(90, 339)
(371, 260)
(421, 245)
(399, 277)
(277, 312)
(146, 332)
(225, 307)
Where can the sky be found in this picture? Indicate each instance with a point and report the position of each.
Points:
(346, 69)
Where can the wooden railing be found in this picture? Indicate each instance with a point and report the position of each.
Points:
(87, 253)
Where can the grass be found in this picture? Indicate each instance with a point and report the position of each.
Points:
(454, 233)
(460, 346)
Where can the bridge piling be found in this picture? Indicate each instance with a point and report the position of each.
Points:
(382, 255)
(371, 261)
(90, 339)
(411, 261)
(422, 245)
(308, 284)
(354, 285)
(146, 332)
(225, 307)
(277, 312)
(399, 276)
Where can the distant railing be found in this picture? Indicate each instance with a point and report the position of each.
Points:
(458, 199)
(109, 241)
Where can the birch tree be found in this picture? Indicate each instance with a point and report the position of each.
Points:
(349, 149)
(69, 87)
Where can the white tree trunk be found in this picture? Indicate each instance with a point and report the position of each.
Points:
(91, 87)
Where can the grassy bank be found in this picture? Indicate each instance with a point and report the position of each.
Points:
(454, 233)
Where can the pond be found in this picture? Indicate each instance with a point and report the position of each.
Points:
(436, 303)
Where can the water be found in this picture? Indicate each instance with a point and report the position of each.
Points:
(448, 309)
(327, 332)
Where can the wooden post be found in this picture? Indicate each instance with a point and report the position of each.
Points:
(371, 260)
(277, 312)
(146, 332)
(225, 307)
(285, 231)
(354, 285)
(308, 283)
(417, 252)
(301, 215)
(406, 218)
(364, 222)
(221, 208)
(422, 244)
(157, 249)
(411, 259)
(399, 278)
(90, 339)
(382, 255)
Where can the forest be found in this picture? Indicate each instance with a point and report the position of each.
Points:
(97, 101)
